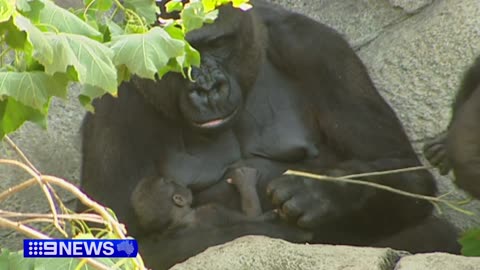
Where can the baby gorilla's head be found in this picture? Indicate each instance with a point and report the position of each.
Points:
(158, 202)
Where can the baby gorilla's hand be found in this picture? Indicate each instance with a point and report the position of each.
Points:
(243, 177)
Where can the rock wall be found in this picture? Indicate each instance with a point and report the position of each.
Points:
(415, 50)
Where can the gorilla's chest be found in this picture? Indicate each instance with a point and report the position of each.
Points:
(270, 127)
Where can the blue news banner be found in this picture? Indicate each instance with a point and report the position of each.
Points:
(85, 248)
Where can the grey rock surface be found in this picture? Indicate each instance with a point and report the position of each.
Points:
(440, 261)
(410, 6)
(263, 253)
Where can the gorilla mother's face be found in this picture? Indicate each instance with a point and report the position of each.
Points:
(230, 50)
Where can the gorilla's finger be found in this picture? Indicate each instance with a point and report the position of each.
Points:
(445, 167)
(433, 153)
(283, 193)
(308, 220)
(292, 209)
(284, 181)
(438, 157)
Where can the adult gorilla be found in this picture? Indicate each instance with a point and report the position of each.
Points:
(275, 90)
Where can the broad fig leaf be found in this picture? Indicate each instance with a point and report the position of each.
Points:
(145, 54)
(470, 242)
(192, 16)
(14, 37)
(52, 17)
(42, 51)
(13, 114)
(91, 60)
(33, 89)
(145, 8)
(7, 8)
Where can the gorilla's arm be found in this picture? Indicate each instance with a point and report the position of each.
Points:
(470, 83)
(245, 180)
(337, 91)
(435, 149)
(463, 144)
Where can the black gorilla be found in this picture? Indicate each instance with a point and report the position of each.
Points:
(276, 90)
(458, 148)
(161, 203)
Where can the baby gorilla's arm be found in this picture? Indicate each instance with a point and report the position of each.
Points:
(245, 180)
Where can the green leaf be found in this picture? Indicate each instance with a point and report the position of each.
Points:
(23, 5)
(7, 8)
(192, 16)
(15, 260)
(145, 8)
(241, 4)
(33, 89)
(470, 242)
(13, 114)
(102, 5)
(53, 18)
(174, 5)
(114, 28)
(91, 60)
(14, 37)
(42, 51)
(89, 93)
(145, 54)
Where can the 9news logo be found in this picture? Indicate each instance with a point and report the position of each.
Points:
(85, 248)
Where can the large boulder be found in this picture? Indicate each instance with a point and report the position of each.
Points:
(263, 253)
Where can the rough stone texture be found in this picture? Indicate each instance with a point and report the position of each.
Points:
(410, 6)
(440, 261)
(359, 20)
(263, 253)
(415, 51)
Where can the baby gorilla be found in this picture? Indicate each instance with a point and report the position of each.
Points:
(163, 205)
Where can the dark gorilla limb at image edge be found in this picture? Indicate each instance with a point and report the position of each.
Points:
(458, 148)
(276, 90)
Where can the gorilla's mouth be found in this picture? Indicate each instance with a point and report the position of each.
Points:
(217, 122)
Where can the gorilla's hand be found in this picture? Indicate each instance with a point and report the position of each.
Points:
(310, 203)
(435, 151)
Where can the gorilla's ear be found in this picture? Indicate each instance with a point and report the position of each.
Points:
(179, 200)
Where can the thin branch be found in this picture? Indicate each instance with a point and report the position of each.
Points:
(85, 217)
(409, 169)
(12, 190)
(378, 186)
(21, 154)
(44, 188)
